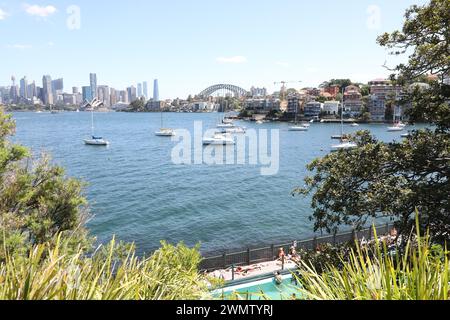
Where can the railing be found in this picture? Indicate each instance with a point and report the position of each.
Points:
(249, 256)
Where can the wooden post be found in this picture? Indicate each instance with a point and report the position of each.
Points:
(248, 256)
(224, 259)
(334, 238)
(272, 247)
(282, 263)
(232, 272)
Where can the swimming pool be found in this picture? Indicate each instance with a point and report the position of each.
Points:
(265, 289)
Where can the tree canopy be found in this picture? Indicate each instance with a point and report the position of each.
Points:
(379, 179)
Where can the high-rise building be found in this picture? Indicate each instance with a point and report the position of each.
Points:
(113, 96)
(13, 91)
(75, 90)
(139, 90)
(31, 89)
(47, 90)
(93, 81)
(145, 85)
(132, 95)
(155, 90)
(24, 88)
(87, 94)
(104, 95)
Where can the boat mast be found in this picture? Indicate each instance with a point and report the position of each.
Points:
(92, 121)
(342, 115)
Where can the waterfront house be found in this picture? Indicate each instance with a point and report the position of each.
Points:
(331, 107)
(352, 101)
(312, 109)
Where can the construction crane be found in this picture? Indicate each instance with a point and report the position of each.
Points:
(284, 88)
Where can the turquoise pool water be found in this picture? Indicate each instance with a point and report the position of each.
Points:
(262, 290)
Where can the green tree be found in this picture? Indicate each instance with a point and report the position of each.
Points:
(379, 179)
(137, 105)
(37, 200)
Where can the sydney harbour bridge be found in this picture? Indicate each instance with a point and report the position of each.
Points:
(223, 90)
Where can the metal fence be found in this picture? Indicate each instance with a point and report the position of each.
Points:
(249, 256)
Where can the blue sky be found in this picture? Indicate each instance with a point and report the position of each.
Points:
(189, 45)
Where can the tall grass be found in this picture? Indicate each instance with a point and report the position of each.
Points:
(50, 272)
(421, 272)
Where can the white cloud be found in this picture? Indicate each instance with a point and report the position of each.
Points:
(3, 14)
(39, 11)
(51, 44)
(19, 46)
(235, 59)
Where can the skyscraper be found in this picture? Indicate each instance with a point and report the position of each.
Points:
(24, 88)
(87, 94)
(132, 96)
(145, 89)
(57, 87)
(139, 90)
(155, 90)
(93, 80)
(47, 91)
(31, 89)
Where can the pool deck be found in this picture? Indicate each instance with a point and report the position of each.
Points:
(252, 271)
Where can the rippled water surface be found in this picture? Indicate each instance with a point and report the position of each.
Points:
(138, 194)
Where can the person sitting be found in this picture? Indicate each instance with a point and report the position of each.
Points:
(278, 279)
(293, 255)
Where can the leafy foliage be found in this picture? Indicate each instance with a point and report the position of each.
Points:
(37, 200)
(422, 273)
(53, 271)
(377, 179)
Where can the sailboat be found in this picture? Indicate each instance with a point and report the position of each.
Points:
(398, 126)
(95, 141)
(296, 127)
(164, 132)
(345, 144)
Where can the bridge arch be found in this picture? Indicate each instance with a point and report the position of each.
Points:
(237, 91)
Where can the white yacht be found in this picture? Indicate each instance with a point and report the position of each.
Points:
(225, 125)
(234, 130)
(95, 141)
(344, 145)
(395, 128)
(219, 139)
(354, 124)
(164, 132)
(298, 128)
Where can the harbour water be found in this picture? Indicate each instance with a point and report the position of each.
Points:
(139, 195)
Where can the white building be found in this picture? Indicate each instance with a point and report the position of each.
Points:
(331, 107)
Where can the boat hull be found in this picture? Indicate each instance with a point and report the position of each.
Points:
(91, 142)
(298, 129)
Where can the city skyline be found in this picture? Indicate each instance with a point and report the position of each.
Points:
(199, 48)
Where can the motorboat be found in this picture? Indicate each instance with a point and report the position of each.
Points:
(354, 124)
(219, 139)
